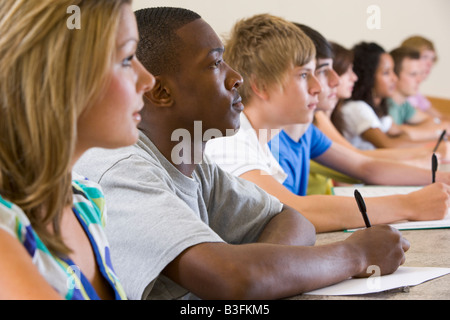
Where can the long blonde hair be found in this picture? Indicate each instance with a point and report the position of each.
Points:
(49, 74)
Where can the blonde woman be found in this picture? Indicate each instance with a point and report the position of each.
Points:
(63, 91)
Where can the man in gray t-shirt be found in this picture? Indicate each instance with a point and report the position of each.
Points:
(176, 222)
(155, 212)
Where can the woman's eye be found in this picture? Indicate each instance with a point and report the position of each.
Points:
(127, 62)
(217, 63)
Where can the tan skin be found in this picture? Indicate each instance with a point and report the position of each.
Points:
(282, 263)
(119, 107)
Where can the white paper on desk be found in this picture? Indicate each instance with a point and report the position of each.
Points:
(403, 277)
(379, 191)
(374, 191)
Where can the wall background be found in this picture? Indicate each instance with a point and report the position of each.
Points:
(343, 21)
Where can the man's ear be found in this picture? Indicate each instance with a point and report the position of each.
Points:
(160, 94)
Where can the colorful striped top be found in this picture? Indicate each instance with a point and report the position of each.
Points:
(64, 276)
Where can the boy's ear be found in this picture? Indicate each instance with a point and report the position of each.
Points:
(160, 94)
(259, 89)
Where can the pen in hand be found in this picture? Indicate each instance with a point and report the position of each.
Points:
(362, 208)
(439, 141)
(434, 166)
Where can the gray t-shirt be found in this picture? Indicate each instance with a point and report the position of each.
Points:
(155, 212)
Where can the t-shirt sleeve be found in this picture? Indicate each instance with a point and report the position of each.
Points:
(148, 225)
(238, 209)
(409, 111)
(319, 142)
(419, 101)
(359, 117)
(237, 154)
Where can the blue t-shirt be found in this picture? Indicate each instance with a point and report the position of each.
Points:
(294, 156)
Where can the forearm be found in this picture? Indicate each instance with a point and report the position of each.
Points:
(421, 133)
(401, 140)
(385, 172)
(398, 154)
(289, 227)
(284, 271)
(263, 271)
(331, 213)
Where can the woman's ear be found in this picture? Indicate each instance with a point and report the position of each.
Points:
(160, 94)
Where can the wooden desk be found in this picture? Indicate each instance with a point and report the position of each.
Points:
(440, 104)
(429, 248)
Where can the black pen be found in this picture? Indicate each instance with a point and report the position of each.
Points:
(440, 139)
(434, 166)
(362, 208)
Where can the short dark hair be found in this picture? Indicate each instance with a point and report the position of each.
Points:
(323, 47)
(402, 53)
(158, 48)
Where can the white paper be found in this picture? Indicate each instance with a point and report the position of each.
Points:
(379, 191)
(403, 277)
(374, 191)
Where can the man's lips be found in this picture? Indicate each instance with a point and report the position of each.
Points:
(313, 104)
(237, 103)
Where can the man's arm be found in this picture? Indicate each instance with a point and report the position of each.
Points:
(382, 140)
(289, 228)
(272, 271)
(421, 126)
(377, 171)
(331, 213)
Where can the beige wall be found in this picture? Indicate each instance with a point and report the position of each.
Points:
(343, 21)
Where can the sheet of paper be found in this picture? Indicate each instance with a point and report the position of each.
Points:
(374, 191)
(378, 191)
(403, 277)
